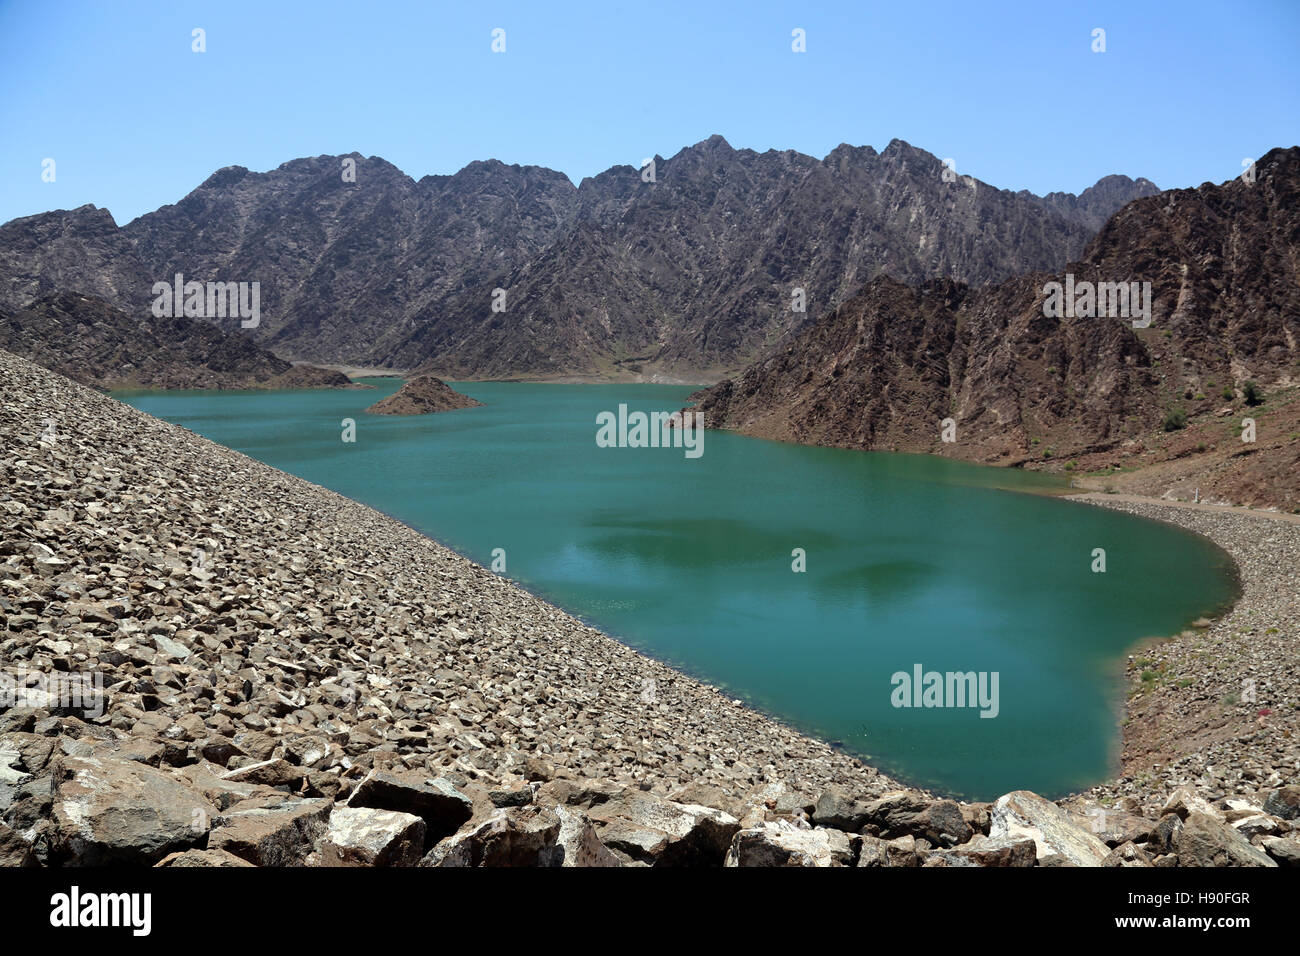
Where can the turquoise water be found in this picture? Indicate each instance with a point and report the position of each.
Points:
(909, 560)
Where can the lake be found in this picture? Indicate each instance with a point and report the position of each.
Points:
(907, 562)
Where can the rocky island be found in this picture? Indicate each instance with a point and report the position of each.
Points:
(423, 395)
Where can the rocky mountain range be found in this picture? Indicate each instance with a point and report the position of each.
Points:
(92, 342)
(681, 270)
(885, 368)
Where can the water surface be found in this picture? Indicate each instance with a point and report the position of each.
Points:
(909, 560)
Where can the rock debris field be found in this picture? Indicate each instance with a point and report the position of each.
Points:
(274, 675)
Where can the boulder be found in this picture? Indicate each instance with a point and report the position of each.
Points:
(906, 812)
(1185, 800)
(653, 830)
(361, 836)
(441, 806)
(272, 831)
(1022, 813)
(900, 851)
(15, 850)
(1286, 851)
(1208, 841)
(113, 812)
(201, 858)
(577, 843)
(1114, 827)
(508, 837)
(838, 810)
(988, 851)
(1127, 854)
(784, 844)
(1284, 802)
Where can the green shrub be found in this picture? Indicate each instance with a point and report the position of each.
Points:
(1228, 393)
(1175, 419)
(1252, 394)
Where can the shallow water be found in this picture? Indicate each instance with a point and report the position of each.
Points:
(909, 560)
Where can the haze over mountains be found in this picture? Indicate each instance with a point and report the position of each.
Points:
(685, 277)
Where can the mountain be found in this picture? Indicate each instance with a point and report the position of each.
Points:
(884, 369)
(94, 343)
(683, 276)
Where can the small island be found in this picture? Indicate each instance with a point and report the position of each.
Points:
(422, 396)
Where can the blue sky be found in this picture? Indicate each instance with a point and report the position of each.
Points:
(1011, 91)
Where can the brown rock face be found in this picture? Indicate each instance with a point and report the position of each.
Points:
(92, 342)
(887, 367)
(422, 396)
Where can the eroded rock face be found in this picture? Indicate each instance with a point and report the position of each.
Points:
(413, 265)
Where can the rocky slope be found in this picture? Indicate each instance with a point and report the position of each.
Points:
(290, 678)
(422, 396)
(621, 277)
(92, 342)
(888, 366)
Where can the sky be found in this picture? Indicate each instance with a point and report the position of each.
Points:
(1014, 93)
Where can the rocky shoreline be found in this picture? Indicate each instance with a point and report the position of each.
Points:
(291, 678)
(1218, 707)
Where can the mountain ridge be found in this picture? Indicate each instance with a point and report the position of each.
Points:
(613, 277)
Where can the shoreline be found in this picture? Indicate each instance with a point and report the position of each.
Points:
(1193, 720)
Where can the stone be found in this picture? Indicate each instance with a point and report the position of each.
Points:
(1127, 854)
(653, 830)
(1284, 802)
(577, 844)
(201, 858)
(1184, 800)
(1205, 840)
(838, 810)
(900, 851)
(15, 849)
(1285, 850)
(783, 844)
(1021, 813)
(365, 837)
(441, 806)
(990, 851)
(907, 812)
(508, 837)
(272, 831)
(110, 812)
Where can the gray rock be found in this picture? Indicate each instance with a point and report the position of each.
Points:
(784, 844)
(653, 830)
(1022, 813)
(272, 831)
(115, 812)
(1207, 841)
(366, 837)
